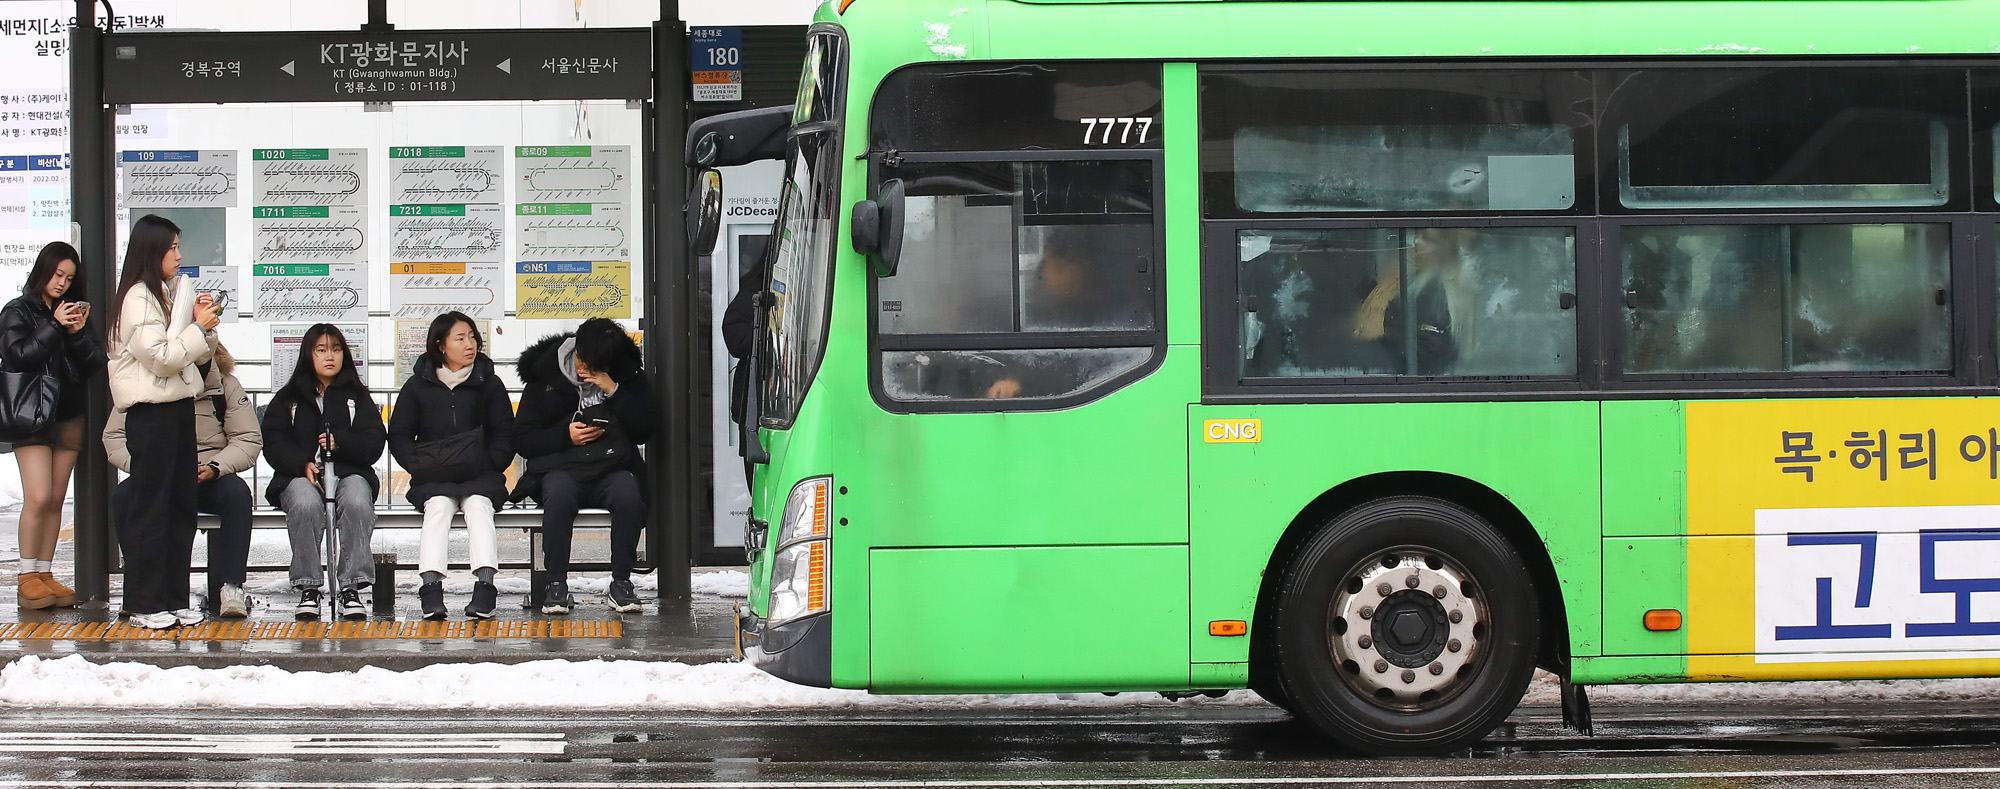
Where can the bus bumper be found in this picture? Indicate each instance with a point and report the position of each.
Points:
(799, 651)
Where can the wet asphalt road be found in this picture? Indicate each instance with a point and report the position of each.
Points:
(1717, 746)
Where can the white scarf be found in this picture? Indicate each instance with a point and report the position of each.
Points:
(450, 379)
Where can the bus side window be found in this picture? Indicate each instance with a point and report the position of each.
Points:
(1787, 298)
(1011, 274)
(1433, 301)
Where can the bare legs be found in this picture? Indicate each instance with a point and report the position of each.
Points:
(45, 473)
(44, 480)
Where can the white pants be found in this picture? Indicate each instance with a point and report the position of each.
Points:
(479, 532)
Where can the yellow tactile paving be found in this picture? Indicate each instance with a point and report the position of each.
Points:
(586, 629)
(125, 632)
(364, 630)
(309, 631)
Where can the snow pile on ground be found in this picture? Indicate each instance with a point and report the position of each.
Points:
(545, 684)
(723, 583)
(72, 681)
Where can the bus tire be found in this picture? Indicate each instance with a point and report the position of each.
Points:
(1266, 685)
(1406, 626)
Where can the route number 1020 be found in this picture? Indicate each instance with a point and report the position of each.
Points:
(1122, 126)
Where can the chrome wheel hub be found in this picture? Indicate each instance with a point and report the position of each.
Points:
(1406, 628)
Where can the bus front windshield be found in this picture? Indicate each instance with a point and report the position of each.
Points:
(802, 257)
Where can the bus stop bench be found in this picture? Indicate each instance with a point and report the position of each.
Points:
(528, 519)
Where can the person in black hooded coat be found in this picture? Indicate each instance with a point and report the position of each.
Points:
(585, 409)
(452, 429)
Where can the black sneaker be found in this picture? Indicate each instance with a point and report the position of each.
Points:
(432, 596)
(308, 610)
(557, 600)
(349, 601)
(623, 599)
(484, 597)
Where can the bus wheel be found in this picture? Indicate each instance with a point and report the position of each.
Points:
(1407, 625)
(1265, 683)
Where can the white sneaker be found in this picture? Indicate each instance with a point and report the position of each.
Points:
(189, 616)
(234, 604)
(158, 621)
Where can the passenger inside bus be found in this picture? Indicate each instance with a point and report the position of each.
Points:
(1435, 301)
(1082, 279)
(1338, 304)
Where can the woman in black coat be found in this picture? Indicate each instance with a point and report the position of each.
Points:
(44, 329)
(325, 408)
(452, 429)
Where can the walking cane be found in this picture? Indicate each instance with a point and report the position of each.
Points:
(328, 481)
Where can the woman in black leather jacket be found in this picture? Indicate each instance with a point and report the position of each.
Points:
(45, 330)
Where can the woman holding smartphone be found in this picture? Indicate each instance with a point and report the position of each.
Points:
(44, 330)
(154, 380)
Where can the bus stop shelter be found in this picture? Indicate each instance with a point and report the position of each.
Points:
(380, 67)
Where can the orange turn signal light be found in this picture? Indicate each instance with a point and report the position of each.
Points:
(1228, 627)
(844, 4)
(1663, 620)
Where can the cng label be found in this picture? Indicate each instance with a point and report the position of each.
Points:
(1232, 431)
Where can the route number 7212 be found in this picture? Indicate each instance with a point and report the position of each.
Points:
(1123, 126)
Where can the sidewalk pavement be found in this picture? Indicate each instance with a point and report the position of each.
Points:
(701, 630)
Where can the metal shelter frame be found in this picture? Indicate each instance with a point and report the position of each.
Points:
(667, 279)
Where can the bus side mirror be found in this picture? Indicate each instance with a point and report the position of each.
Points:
(876, 227)
(704, 213)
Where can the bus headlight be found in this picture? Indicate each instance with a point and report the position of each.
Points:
(798, 582)
(798, 568)
(806, 511)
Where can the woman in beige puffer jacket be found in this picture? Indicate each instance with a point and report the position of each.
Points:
(154, 381)
(227, 440)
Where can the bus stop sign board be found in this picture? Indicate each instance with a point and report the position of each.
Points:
(447, 65)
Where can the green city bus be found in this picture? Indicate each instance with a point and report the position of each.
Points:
(1371, 355)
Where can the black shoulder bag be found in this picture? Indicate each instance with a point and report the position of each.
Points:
(27, 401)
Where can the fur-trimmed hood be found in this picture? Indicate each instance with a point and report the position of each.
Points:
(223, 360)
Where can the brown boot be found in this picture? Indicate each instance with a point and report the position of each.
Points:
(64, 594)
(35, 594)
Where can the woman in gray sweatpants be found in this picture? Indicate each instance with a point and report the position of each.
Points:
(325, 409)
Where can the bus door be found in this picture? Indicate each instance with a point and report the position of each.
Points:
(1027, 471)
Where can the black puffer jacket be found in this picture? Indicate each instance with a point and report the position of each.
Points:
(428, 411)
(549, 402)
(292, 424)
(31, 338)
